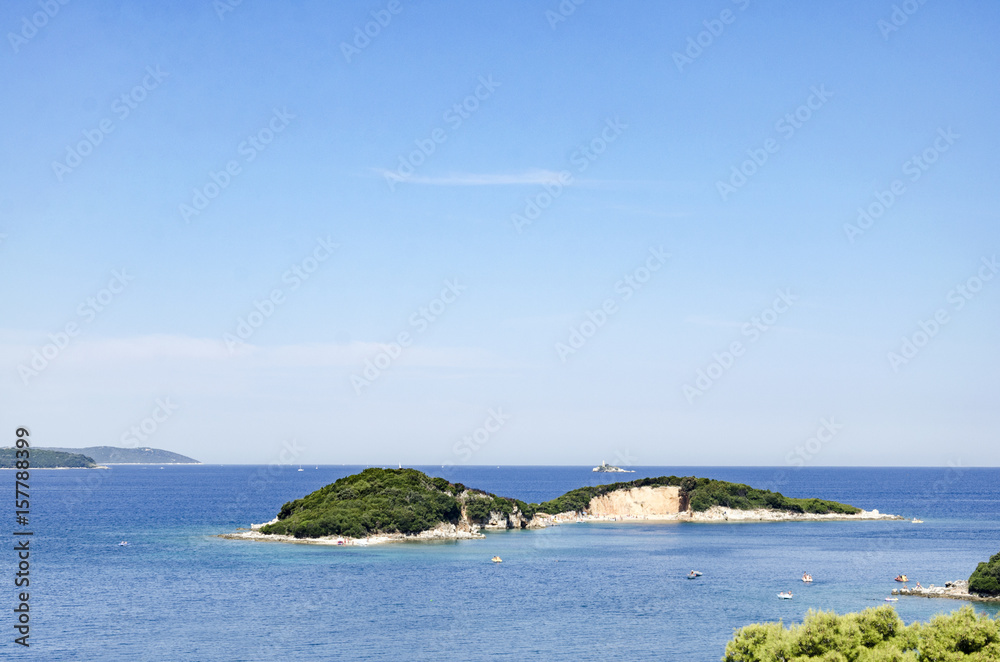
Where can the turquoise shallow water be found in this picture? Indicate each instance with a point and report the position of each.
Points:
(574, 592)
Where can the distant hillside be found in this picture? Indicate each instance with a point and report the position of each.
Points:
(42, 458)
(113, 455)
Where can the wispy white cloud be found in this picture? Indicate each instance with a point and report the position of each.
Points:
(528, 177)
(107, 353)
(701, 320)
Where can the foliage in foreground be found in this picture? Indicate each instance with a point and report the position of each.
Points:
(985, 579)
(701, 494)
(45, 459)
(874, 635)
(409, 501)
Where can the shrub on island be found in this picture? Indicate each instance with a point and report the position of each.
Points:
(874, 635)
(985, 579)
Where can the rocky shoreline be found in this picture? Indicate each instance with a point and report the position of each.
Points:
(957, 590)
(498, 521)
(715, 514)
(443, 531)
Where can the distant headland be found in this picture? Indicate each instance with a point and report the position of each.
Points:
(384, 505)
(43, 458)
(115, 455)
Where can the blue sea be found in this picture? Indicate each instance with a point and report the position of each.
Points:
(593, 591)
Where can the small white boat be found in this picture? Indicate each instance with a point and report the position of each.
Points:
(123, 543)
(892, 599)
(785, 595)
(497, 559)
(300, 468)
(807, 578)
(916, 521)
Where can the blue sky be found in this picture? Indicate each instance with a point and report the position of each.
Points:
(622, 129)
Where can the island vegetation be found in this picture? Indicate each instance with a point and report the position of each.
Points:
(985, 579)
(46, 459)
(873, 635)
(701, 494)
(386, 501)
(407, 501)
(117, 455)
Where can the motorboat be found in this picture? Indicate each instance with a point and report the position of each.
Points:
(497, 559)
(694, 574)
(902, 578)
(785, 595)
(123, 543)
(890, 599)
(916, 521)
(806, 577)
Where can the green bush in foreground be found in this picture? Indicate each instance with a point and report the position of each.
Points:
(985, 579)
(874, 635)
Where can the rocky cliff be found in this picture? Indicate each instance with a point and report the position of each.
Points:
(638, 502)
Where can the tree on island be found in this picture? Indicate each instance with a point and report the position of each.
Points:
(985, 579)
(874, 635)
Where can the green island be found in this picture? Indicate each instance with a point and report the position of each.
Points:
(46, 459)
(406, 501)
(877, 634)
(139, 455)
(985, 579)
(702, 494)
